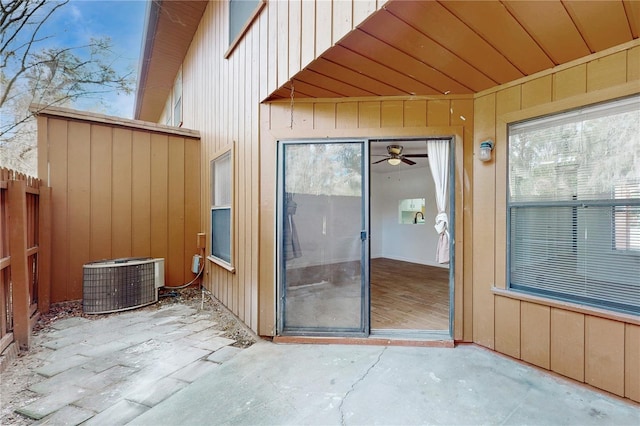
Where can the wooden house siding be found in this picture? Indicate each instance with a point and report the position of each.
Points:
(221, 99)
(224, 100)
(369, 118)
(588, 345)
(121, 190)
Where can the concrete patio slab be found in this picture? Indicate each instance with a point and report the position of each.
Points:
(189, 375)
(320, 384)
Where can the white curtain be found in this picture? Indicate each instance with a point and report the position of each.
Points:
(438, 151)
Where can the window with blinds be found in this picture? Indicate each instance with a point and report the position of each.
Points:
(221, 204)
(573, 206)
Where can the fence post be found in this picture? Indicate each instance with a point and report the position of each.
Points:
(44, 249)
(17, 198)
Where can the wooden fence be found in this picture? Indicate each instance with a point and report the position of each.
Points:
(25, 256)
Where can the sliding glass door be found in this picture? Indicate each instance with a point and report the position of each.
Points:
(322, 238)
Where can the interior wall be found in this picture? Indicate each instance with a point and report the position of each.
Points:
(414, 243)
(119, 190)
(594, 346)
(322, 245)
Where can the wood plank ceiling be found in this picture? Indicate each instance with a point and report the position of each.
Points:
(462, 47)
(170, 29)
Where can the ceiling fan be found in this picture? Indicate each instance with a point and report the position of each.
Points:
(394, 156)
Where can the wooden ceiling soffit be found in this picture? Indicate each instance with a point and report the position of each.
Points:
(362, 81)
(463, 47)
(603, 24)
(330, 83)
(169, 30)
(438, 24)
(445, 69)
(361, 64)
(421, 74)
(632, 7)
(492, 22)
(551, 27)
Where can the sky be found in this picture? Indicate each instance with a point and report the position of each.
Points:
(121, 20)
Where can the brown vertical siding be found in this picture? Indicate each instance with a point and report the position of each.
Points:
(591, 346)
(221, 98)
(567, 343)
(631, 364)
(535, 322)
(120, 190)
(483, 226)
(365, 117)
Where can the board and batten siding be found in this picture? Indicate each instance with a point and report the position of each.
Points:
(221, 98)
(588, 345)
(370, 118)
(122, 189)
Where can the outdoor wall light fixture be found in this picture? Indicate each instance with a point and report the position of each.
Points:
(394, 161)
(485, 150)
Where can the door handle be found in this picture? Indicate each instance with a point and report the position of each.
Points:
(363, 235)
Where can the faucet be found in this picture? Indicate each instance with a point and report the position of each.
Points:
(415, 218)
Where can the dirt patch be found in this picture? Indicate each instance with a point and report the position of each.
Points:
(233, 328)
(20, 374)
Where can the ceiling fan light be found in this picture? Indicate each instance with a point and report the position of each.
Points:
(394, 161)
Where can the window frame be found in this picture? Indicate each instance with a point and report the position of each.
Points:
(230, 152)
(563, 298)
(233, 43)
(625, 235)
(176, 100)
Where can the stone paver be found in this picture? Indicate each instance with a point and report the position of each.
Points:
(59, 366)
(53, 384)
(156, 392)
(107, 377)
(110, 370)
(223, 354)
(67, 415)
(52, 402)
(194, 371)
(67, 323)
(103, 349)
(120, 414)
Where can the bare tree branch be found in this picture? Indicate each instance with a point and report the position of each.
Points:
(51, 75)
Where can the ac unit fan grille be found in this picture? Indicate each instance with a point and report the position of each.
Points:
(112, 286)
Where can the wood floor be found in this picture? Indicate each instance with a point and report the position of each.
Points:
(408, 296)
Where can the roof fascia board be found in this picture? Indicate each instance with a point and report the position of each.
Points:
(150, 27)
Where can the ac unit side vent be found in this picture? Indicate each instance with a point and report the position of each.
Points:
(120, 284)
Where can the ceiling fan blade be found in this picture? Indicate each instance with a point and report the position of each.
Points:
(409, 162)
(416, 155)
(380, 161)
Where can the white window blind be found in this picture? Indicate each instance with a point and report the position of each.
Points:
(574, 206)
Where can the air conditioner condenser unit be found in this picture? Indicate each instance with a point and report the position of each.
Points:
(121, 284)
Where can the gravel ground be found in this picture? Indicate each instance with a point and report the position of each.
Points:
(19, 375)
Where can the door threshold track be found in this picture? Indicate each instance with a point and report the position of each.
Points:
(438, 340)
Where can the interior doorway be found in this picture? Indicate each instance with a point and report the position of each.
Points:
(410, 290)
